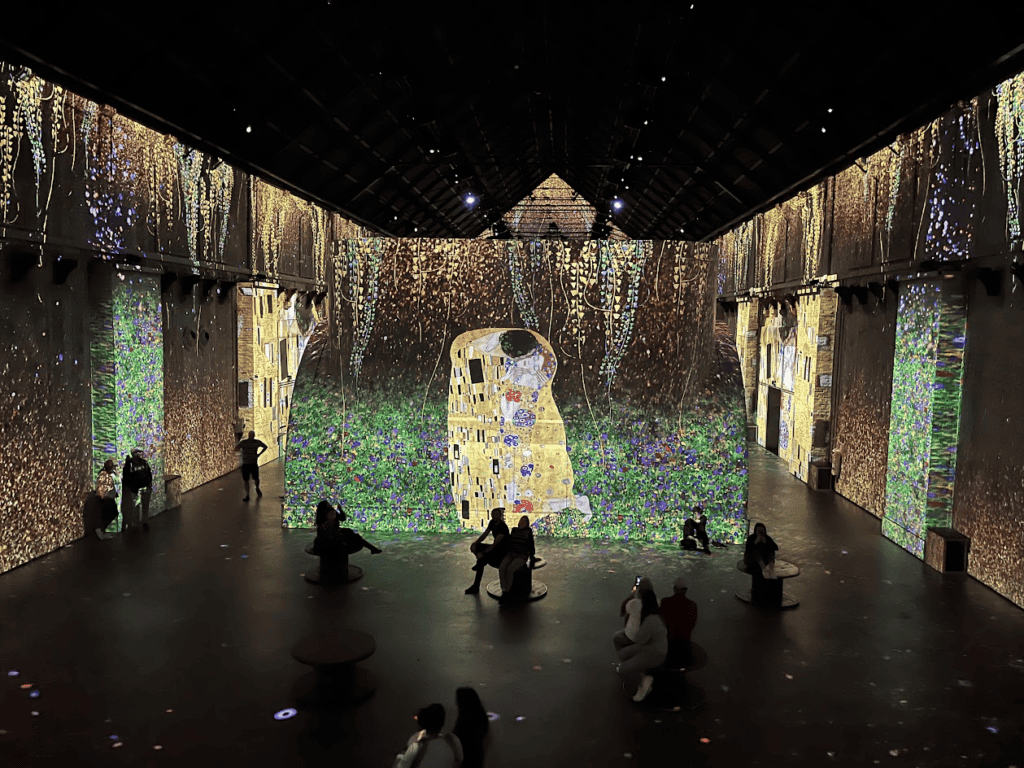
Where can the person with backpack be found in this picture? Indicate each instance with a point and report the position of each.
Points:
(428, 747)
(137, 484)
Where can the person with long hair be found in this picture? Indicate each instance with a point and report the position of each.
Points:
(332, 539)
(520, 549)
(106, 493)
(471, 727)
(648, 650)
(630, 610)
(759, 559)
(428, 747)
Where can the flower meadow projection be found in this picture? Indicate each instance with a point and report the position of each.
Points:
(128, 360)
(925, 415)
(617, 339)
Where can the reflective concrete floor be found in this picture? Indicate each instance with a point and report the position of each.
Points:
(180, 639)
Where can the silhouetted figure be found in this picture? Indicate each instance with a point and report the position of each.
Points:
(331, 539)
(680, 616)
(239, 429)
(696, 530)
(251, 449)
(631, 609)
(137, 489)
(471, 727)
(520, 551)
(106, 494)
(648, 651)
(489, 554)
(428, 747)
(759, 559)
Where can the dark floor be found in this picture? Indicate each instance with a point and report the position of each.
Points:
(181, 638)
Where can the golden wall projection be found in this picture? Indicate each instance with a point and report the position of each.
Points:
(506, 439)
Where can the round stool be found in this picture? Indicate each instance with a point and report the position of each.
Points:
(672, 692)
(335, 680)
(537, 591)
(334, 570)
(783, 570)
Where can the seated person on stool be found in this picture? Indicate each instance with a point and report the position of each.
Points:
(520, 550)
(680, 616)
(759, 559)
(631, 608)
(647, 652)
(493, 553)
(696, 528)
(331, 539)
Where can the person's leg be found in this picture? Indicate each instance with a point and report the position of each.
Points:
(481, 563)
(246, 469)
(703, 536)
(147, 494)
(505, 574)
(256, 478)
(620, 640)
(354, 542)
(127, 509)
(632, 671)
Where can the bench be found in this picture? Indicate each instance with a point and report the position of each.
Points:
(335, 681)
(332, 570)
(775, 596)
(671, 690)
(524, 588)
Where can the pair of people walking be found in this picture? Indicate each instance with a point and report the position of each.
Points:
(137, 487)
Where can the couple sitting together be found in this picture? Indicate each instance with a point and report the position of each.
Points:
(510, 551)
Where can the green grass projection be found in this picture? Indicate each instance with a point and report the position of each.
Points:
(383, 456)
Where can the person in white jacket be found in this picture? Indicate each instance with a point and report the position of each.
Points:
(429, 748)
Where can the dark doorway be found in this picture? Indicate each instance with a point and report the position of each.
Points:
(771, 433)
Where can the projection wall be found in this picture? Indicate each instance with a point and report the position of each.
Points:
(622, 362)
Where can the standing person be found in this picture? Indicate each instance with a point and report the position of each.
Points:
(489, 554)
(759, 559)
(137, 484)
(251, 449)
(520, 549)
(471, 727)
(106, 492)
(680, 616)
(428, 748)
(631, 609)
(649, 650)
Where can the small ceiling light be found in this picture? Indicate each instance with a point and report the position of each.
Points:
(645, 122)
(639, 159)
(396, 218)
(823, 130)
(470, 199)
(431, 151)
(663, 79)
(248, 129)
(830, 110)
(617, 204)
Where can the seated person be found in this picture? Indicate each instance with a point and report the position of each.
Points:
(631, 608)
(520, 550)
(331, 539)
(696, 529)
(429, 747)
(759, 559)
(489, 554)
(680, 616)
(648, 651)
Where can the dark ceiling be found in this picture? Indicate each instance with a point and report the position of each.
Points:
(696, 118)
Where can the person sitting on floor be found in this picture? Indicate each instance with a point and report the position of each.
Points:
(333, 540)
(696, 529)
(489, 554)
(471, 727)
(759, 559)
(680, 616)
(631, 609)
(429, 748)
(520, 551)
(648, 651)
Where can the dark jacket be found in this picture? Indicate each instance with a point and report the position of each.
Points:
(136, 474)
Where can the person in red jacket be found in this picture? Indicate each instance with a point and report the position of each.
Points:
(680, 616)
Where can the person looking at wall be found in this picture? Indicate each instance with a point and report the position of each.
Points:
(680, 616)
(137, 487)
(106, 493)
(251, 450)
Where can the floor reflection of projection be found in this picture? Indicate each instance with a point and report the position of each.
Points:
(507, 444)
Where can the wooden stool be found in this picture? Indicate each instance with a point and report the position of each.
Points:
(335, 680)
(332, 570)
(783, 570)
(672, 691)
(529, 590)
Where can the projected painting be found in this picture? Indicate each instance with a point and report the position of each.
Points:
(583, 384)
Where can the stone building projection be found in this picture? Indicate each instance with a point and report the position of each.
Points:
(506, 439)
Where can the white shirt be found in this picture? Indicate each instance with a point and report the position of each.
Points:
(439, 754)
(633, 609)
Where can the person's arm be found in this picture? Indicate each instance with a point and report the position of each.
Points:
(483, 535)
(533, 546)
(264, 447)
(407, 758)
(238, 445)
(646, 632)
(622, 608)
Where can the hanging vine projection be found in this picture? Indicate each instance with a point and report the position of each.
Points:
(621, 266)
(812, 216)
(1010, 138)
(951, 202)
(363, 260)
(520, 291)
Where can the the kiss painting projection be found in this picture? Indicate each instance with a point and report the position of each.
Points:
(506, 440)
(584, 384)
